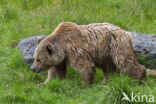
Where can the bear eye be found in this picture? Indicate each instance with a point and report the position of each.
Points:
(38, 60)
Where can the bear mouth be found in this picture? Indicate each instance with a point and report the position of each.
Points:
(37, 70)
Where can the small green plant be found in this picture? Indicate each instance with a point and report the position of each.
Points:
(10, 14)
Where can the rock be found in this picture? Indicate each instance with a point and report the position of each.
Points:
(144, 45)
(27, 47)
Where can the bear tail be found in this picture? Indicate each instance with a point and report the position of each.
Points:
(151, 73)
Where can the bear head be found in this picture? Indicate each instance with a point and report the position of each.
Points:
(46, 56)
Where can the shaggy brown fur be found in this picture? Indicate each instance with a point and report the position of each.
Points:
(85, 47)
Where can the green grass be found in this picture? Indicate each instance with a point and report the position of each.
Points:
(20, 19)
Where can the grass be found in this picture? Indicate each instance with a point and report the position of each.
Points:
(20, 19)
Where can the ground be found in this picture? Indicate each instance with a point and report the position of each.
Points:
(20, 19)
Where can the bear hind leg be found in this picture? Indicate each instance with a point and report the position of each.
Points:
(129, 66)
(108, 70)
(88, 75)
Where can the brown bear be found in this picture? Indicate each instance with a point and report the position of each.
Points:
(86, 47)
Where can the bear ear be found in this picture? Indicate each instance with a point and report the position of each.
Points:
(39, 40)
(49, 48)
